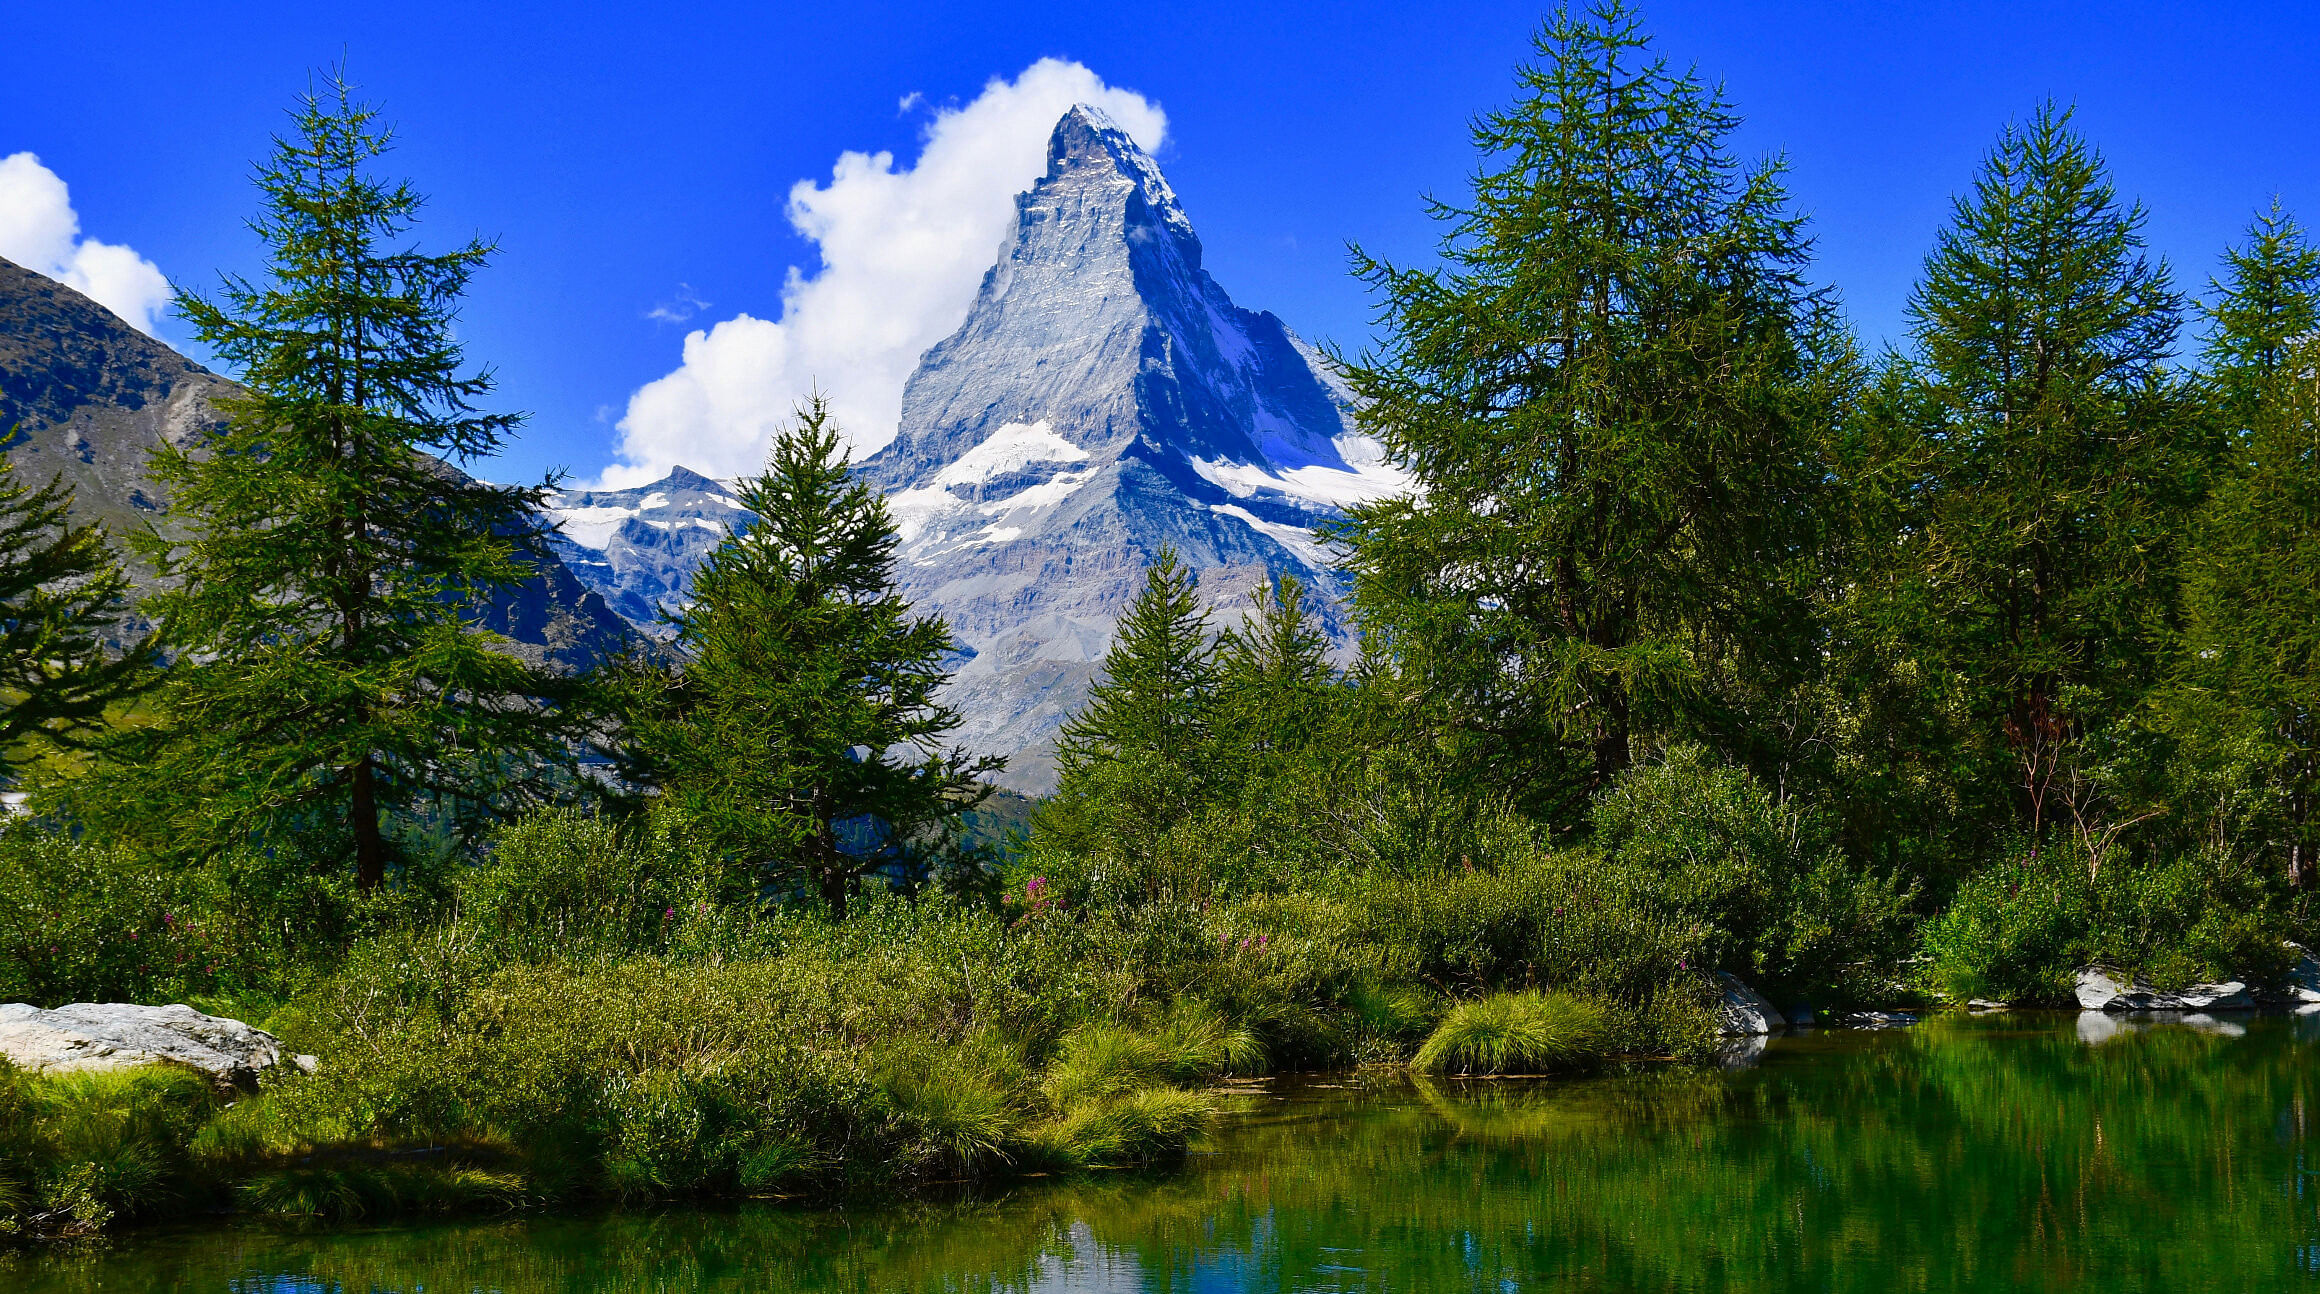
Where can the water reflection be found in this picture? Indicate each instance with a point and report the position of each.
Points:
(1999, 1153)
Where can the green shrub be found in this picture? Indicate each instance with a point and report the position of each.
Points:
(1534, 1033)
(2011, 933)
(2016, 931)
(1760, 879)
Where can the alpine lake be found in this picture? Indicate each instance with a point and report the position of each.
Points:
(2014, 1151)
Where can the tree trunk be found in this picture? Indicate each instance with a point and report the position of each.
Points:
(1612, 753)
(831, 863)
(370, 851)
(834, 890)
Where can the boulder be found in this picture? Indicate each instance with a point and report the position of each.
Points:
(91, 1037)
(2101, 990)
(2096, 989)
(2230, 995)
(2304, 978)
(1744, 1012)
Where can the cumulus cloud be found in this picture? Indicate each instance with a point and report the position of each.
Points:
(902, 253)
(39, 231)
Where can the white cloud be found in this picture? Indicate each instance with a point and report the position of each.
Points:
(681, 306)
(39, 231)
(902, 253)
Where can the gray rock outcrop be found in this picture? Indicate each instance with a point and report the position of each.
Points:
(2099, 989)
(2303, 984)
(1743, 1011)
(98, 1036)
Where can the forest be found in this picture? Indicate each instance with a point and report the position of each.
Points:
(1709, 642)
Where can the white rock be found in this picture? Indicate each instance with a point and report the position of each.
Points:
(2096, 1027)
(2304, 978)
(2096, 988)
(91, 1037)
(1744, 1011)
(2230, 995)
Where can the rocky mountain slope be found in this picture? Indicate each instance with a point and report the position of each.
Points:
(87, 396)
(638, 548)
(1104, 397)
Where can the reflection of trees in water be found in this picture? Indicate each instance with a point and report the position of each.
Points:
(1964, 1154)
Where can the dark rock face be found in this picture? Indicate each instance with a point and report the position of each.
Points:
(1105, 397)
(89, 396)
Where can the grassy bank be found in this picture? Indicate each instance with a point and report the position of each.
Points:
(578, 1020)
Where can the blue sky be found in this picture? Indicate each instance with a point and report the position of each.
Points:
(638, 157)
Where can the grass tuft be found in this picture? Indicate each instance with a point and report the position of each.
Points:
(1518, 1033)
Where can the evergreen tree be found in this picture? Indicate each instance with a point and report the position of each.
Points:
(61, 600)
(1274, 683)
(799, 734)
(1135, 758)
(2267, 303)
(2249, 668)
(324, 567)
(1611, 397)
(2052, 455)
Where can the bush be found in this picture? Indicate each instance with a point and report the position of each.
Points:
(83, 922)
(1535, 1033)
(2018, 930)
(1761, 880)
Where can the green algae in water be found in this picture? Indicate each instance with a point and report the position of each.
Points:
(2003, 1153)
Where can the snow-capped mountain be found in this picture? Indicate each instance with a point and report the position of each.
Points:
(1105, 397)
(639, 547)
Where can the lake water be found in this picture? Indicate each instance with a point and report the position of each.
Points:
(2023, 1152)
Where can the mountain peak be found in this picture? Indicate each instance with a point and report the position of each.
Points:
(1087, 137)
(1105, 399)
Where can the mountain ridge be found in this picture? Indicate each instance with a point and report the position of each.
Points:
(87, 395)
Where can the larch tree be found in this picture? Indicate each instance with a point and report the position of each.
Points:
(2248, 669)
(2055, 452)
(1135, 758)
(1611, 396)
(323, 564)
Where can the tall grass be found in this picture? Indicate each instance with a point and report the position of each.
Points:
(1536, 1033)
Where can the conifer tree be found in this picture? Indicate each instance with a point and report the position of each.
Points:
(1611, 396)
(1159, 683)
(799, 733)
(2249, 667)
(2268, 301)
(2054, 454)
(324, 565)
(1273, 682)
(1136, 756)
(61, 600)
